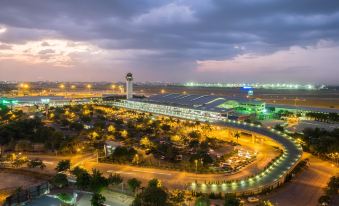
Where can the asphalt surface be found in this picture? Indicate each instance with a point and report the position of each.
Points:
(306, 188)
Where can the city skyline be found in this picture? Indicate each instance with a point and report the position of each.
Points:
(173, 41)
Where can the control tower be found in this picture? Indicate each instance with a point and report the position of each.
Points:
(129, 86)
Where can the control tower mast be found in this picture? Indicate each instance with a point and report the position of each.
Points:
(129, 86)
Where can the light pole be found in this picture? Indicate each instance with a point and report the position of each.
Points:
(62, 87)
(113, 87)
(196, 166)
(136, 158)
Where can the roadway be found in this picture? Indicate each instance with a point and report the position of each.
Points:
(306, 187)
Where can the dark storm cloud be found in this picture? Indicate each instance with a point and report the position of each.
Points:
(183, 30)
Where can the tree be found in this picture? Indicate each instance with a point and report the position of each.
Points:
(177, 197)
(152, 195)
(36, 163)
(202, 201)
(76, 126)
(98, 182)
(237, 135)
(78, 170)
(154, 183)
(17, 160)
(166, 127)
(115, 179)
(63, 165)
(231, 200)
(111, 129)
(97, 199)
(123, 154)
(133, 184)
(265, 203)
(83, 179)
(324, 199)
(332, 186)
(146, 142)
(194, 135)
(60, 180)
(278, 127)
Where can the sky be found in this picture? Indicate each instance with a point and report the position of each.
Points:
(267, 41)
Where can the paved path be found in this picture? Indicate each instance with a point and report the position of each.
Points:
(306, 188)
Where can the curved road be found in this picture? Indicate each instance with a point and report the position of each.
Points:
(292, 154)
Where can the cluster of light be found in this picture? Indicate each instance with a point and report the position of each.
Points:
(24, 86)
(255, 85)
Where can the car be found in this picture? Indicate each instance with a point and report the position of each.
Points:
(252, 199)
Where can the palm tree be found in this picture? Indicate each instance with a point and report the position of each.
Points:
(237, 135)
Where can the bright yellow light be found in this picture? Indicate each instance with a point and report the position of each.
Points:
(113, 86)
(73, 87)
(162, 91)
(25, 86)
(62, 86)
(89, 86)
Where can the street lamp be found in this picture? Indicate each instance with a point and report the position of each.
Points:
(136, 157)
(196, 166)
(89, 87)
(62, 86)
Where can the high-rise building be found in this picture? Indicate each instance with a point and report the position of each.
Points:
(129, 86)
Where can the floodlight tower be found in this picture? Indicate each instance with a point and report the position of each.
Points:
(129, 86)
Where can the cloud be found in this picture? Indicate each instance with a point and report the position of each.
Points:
(46, 51)
(164, 37)
(45, 43)
(295, 63)
(2, 29)
(168, 14)
(5, 47)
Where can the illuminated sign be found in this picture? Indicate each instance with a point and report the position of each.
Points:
(250, 92)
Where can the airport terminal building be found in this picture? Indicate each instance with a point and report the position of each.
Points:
(193, 106)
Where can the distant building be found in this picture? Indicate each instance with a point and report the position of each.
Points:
(129, 86)
(110, 146)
